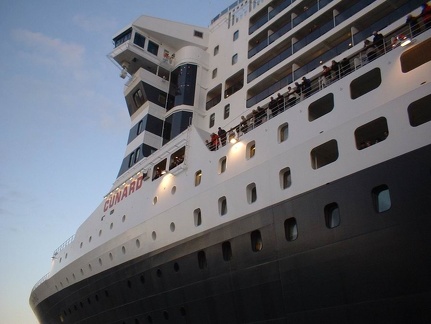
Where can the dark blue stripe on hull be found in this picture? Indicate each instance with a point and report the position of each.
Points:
(372, 268)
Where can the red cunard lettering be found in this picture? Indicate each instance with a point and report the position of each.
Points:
(120, 195)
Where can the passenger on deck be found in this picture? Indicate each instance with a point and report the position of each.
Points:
(280, 103)
(378, 42)
(325, 77)
(243, 125)
(345, 67)
(273, 106)
(298, 91)
(335, 70)
(292, 96)
(306, 87)
(214, 142)
(370, 50)
(415, 27)
(260, 115)
(426, 15)
(222, 135)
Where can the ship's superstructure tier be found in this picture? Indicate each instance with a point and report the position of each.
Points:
(276, 169)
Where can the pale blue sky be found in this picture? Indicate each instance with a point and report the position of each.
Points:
(64, 125)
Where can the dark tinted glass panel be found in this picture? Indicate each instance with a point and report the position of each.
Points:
(139, 40)
(153, 48)
(365, 83)
(420, 111)
(175, 124)
(182, 86)
(321, 107)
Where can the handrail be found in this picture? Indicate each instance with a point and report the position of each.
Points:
(61, 247)
(40, 281)
(317, 83)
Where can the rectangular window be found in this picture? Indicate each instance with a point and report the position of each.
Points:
(214, 73)
(177, 158)
(222, 206)
(381, 198)
(226, 111)
(202, 260)
(283, 132)
(234, 59)
(416, 56)
(291, 229)
(159, 169)
(324, 154)
(256, 241)
(138, 98)
(365, 83)
(371, 133)
(251, 193)
(285, 178)
(139, 40)
(197, 217)
(332, 215)
(216, 50)
(198, 178)
(153, 48)
(212, 120)
(235, 35)
(198, 34)
(251, 150)
(321, 107)
(227, 251)
(222, 165)
(419, 111)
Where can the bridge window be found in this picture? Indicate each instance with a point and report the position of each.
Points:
(153, 48)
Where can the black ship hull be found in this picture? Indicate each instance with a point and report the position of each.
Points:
(374, 267)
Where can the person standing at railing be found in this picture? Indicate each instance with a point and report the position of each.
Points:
(306, 86)
(426, 15)
(415, 27)
(335, 70)
(378, 41)
(370, 50)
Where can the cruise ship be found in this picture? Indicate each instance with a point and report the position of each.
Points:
(277, 170)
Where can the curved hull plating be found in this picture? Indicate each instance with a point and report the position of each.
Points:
(371, 268)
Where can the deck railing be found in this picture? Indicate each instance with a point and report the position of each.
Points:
(318, 82)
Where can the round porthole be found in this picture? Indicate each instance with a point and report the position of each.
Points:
(154, 235)
(173, 190)
(155, 200)
(172, 227)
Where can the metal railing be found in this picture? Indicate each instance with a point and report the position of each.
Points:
(299, 92)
